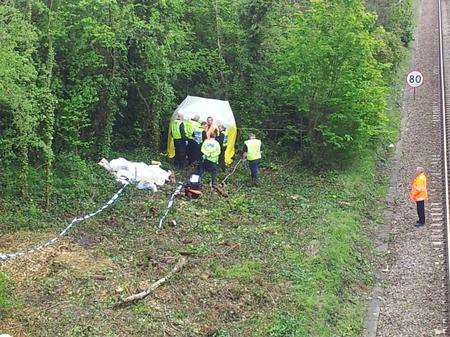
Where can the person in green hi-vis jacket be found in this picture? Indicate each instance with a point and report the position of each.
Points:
(252, 153)
(180, 142)
(211, 152)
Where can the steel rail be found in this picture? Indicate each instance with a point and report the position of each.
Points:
(445, 147)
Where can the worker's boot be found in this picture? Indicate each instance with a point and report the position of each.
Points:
(419, 224)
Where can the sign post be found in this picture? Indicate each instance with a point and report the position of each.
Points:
(414, 80)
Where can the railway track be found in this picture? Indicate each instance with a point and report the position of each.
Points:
(444, 240)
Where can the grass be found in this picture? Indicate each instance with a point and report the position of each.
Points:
(5, 296)
(288, 258)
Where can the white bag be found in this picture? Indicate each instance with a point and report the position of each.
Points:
(145, 176)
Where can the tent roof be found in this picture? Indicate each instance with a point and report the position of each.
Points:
(219, 110)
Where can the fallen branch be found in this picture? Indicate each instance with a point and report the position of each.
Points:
(221, 191)
(180, 264)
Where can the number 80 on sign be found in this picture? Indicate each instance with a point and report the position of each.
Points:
(414, 79)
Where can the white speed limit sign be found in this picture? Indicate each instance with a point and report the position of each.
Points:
(414, 79)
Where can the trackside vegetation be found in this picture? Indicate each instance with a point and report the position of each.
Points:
(316, 80)
(290, 258)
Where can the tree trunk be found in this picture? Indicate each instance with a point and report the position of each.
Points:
(49, 113)
(220, 48)
(111, 99)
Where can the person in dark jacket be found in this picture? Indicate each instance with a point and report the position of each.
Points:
(223, 141)
(194, 131)
(204, 136)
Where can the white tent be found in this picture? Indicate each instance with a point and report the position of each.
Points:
(219, 110)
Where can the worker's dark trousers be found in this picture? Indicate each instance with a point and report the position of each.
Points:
(254, 166)
(421, 211)
(210, 167)
(180, 153)
(193, 151)
(222, 157)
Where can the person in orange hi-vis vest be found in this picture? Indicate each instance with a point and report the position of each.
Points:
(211, 128)
(419, 194)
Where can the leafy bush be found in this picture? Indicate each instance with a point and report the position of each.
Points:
(396, 17)
(332, 78)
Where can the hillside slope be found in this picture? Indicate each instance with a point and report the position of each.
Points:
(288, 258)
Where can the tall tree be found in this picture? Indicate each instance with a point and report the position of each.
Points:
(17, 90)
(330, 74)
(48, 102)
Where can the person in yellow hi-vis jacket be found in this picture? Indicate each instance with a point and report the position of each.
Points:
(252, 153)
(419, 194)
(211, 152)
(179, 139)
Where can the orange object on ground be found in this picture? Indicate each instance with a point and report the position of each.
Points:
(419, 188)
(192, 193)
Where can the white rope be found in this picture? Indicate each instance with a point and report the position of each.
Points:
(9, 256)
(232, 172)
(170, 204)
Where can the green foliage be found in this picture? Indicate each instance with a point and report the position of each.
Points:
(78, 187)
(18, 114)
(285, 326)
(96, 76)
(5, 292)
(80, 79)
(331, 76)
(397, 19)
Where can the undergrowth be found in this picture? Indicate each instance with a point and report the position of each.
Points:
(287, 258)
(5, 295)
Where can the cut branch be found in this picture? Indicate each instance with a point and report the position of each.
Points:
(143, 294)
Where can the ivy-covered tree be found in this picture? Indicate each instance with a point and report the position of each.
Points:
(93, 88)
(47, 99)
(18, 109)
(157, 50)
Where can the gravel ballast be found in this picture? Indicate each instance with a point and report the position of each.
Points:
(413, 299)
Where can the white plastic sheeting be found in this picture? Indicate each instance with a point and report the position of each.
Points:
(143, 175)
(219, 110)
